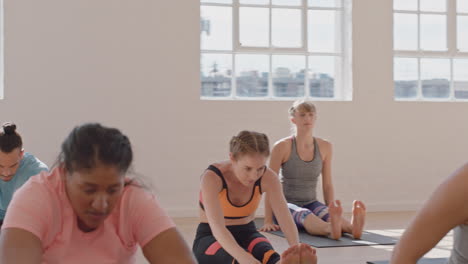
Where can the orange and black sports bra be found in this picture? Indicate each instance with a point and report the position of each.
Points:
(230, 210)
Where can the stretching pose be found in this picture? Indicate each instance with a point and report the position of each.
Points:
(230, 193)
(302, 158)
(446, 209)
(16, 165)
(87, 211)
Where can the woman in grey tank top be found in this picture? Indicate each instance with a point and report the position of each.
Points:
(446, 209)
(300, 160)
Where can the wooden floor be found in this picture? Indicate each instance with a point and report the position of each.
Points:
(388, 223)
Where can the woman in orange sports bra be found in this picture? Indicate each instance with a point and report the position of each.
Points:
(230, 193)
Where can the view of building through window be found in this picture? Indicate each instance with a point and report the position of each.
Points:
(431, 49)
(273, 49)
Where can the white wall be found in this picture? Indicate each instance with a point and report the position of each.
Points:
(135, 65)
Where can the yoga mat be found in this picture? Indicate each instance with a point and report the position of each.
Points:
(367, 239)
(421, 261)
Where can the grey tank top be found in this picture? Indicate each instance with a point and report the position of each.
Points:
(460, 245)
(299, 178)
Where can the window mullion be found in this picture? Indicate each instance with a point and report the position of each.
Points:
(235, 46)
(233, 77)
(270, 30)
(305, 46)
(342, 76)
(270, 77)
(452, 41)
(419, 90)
(452, 83)
(419, 26)
(305, 40)
(451, 27)
(419, 93)
(235, 26)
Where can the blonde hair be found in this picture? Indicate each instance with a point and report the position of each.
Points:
(249, 142)
(302, 106)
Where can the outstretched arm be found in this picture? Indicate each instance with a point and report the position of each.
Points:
(272, 186)
(275, 164)
(168, 247)
(446, 208)
(327, 183)
(19, 246)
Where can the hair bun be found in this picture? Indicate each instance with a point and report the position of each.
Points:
(9, 128)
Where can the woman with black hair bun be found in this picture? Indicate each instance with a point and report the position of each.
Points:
(89, 210)
(16, 165)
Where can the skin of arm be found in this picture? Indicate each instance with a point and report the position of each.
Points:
(211, 186)
(445, 209)
(327, 184)
(272, 185)
(18, 246)
(168, 247)
(276, 159)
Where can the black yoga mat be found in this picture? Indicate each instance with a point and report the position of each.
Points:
(421, 261)
(367, 239)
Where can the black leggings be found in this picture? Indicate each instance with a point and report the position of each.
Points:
(208, 251)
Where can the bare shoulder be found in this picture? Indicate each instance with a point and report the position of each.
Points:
(209, 178)
(283, 145)
(460, 175)
(324, 144)
(270, 177)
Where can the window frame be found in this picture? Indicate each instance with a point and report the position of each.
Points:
(452, 53)
(343, 74)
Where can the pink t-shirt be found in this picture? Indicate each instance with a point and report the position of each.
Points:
(41, 207)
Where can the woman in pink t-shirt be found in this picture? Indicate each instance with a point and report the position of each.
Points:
(86, 211)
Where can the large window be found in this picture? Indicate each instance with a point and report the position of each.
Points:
(431, 49)
(275, 49)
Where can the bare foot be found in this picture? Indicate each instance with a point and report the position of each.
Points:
(292, 255)
(308, 254)
(335, 211)
(359, 218)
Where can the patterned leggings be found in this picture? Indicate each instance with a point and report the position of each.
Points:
(300, 213)
(208, 251)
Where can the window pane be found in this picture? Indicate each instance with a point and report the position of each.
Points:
(435, 78)
(405, 32)
(287, 2)
(322, 30)
(286, 28)
(460, 78)
(252, 75)
(462, 6)
(433, 5)
(321, 76)
(433, 32)
(288, 75)
(255, 2)
(324, 3)
(216, 74)
(408, 5)
(254, 26)
(462, 33)
(405, 76)
(216, 28)
(217, 1)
